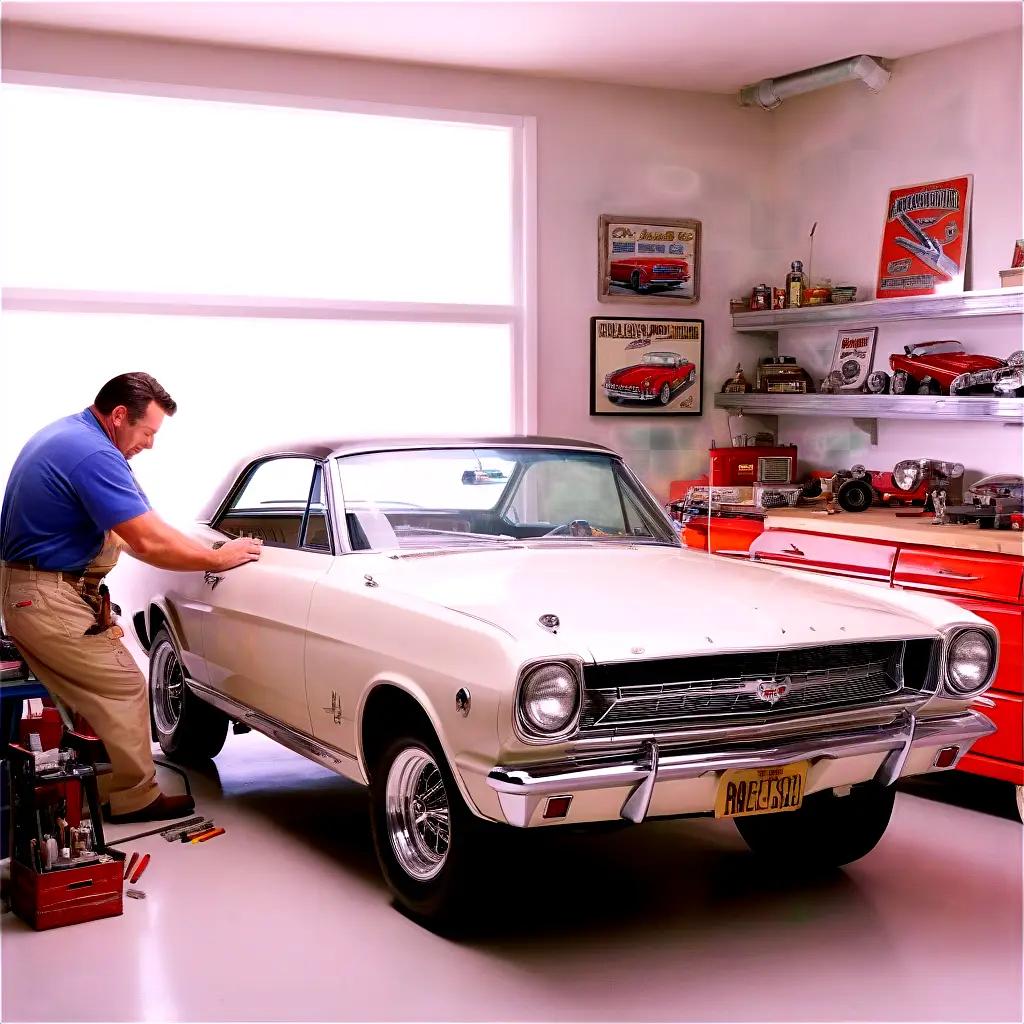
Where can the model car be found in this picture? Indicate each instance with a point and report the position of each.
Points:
(857, 489)
(658, 377)
(541, 652)
(943, 367)
(991, 503)
(641, 273)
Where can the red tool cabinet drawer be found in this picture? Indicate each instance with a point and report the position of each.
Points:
(860, 559)
(1007, 742)
(960, 573)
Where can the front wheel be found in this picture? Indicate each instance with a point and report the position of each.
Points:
(826, 832)
(425, 836)
(187, 728)
(665, 395)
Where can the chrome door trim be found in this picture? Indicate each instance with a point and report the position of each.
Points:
(294, 739)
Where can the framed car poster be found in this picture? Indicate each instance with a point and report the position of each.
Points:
(852, 357)
(646, 367)
(649, 260)
(924, 241)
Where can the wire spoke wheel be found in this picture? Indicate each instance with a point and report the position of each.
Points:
(418, 814)
(168, 684)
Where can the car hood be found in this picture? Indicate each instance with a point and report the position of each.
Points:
(637, 374)
(617, 603)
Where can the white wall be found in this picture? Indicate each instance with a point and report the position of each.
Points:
(837, 153)
(601, 149)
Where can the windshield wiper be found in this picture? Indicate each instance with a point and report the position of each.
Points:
(499, 537)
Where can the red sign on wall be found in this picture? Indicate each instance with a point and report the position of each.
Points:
(924, 242)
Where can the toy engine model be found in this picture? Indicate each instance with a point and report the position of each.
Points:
(779, 375)
(992, 503)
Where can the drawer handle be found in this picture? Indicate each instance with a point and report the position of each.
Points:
(793, 550)
(956, 575)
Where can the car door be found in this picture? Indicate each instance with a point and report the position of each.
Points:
(254, 634)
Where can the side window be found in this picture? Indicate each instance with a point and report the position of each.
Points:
(272, 505)
(317, 532)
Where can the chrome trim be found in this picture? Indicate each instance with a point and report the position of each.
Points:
(521, 726)
(294, 739)
(871, 713)
(639, 801)
(948, 635)
(521, 787)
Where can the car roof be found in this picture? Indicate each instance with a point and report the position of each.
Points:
(324, 449)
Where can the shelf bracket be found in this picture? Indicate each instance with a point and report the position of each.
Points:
(870, 427)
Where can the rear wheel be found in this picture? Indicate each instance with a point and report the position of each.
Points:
(826, 832)
(427, 839)
(635, 281)
(187, 728)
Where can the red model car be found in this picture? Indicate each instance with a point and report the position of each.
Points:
(943, 367)
(656, 378)
(642, 273)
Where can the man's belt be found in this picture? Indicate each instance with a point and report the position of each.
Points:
(68, 574)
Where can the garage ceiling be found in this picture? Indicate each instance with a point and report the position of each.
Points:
(709, 47)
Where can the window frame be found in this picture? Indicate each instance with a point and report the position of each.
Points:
(318, 468)
(520, 316)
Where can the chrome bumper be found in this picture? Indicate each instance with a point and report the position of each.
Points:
(521, 788)
(636, 396)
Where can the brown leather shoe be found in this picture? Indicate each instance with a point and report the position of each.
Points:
(163, 808)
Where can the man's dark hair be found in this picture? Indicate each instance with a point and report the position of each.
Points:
(134, 391)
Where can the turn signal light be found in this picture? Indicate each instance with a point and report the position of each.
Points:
(945, 757)
(557, 806)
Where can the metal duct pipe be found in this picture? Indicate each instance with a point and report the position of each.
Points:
(770, 92)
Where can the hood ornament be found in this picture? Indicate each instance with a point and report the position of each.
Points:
(550, 622)
(773, 690)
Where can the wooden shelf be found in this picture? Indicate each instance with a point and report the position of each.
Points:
(889, 407)
(998, 302)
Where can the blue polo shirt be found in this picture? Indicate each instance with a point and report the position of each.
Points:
(68, 486)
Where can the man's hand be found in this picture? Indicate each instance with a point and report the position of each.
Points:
(154, 542)
(239, 551)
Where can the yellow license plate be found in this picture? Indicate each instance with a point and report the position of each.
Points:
(744, 791)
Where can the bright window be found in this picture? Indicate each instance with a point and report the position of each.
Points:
(109, 191)
(285, 272)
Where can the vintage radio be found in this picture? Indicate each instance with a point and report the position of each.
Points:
(752, 464)
(779, 375)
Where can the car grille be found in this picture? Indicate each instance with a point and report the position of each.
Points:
(673, 693)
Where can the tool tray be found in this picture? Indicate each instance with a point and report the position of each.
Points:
(62, 896)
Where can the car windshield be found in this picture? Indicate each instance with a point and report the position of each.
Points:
(660, 359)
(437, 498)
(937, 348)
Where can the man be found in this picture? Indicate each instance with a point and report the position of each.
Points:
(71, 505)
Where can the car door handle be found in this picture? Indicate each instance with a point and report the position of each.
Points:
(213, 579)
(792, 550)
(950, 574)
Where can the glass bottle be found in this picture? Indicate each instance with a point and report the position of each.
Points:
(796, 282)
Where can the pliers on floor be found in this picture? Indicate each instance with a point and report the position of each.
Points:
(925, 248)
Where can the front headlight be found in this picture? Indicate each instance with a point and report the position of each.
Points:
(969, 662)
(907, 474)
(549, 699)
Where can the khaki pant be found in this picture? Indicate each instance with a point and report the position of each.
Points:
(47, 618)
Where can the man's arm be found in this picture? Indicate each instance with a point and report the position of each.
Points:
(157, 543)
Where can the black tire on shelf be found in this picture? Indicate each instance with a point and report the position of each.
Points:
(929, 386)
(855, 495)
(187, 728)
(406, 852)
(826, 832)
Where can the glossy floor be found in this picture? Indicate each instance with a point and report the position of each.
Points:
(286, 918)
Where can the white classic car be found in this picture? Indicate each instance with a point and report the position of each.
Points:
(508, 630)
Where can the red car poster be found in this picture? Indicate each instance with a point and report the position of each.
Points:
(924, 242)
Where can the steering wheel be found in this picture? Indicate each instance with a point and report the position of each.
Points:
(577, 528)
